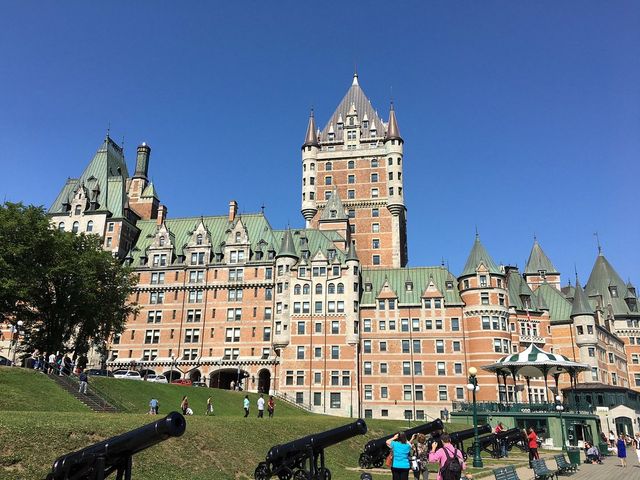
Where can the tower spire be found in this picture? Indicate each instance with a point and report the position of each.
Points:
(393, 132)
(355, 76)
(311, 138)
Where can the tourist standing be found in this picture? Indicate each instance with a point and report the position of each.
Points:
(501, 443)
(421, 454)
(184, 405)
(636, 445)
(209, 407)
(449, 458)
(154, 406)
(245, 404)
(84, 381)
(622, 450)
(261, 406)
(401, 450)
(532, 438)
(612, 439)
(271, 406)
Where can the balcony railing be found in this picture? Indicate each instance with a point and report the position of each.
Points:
(532, 339)
(496, 407)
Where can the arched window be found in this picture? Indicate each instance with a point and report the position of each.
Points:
(78, 210)
(61, 226)
(318, 289)
(76, 227)
(305, 289)
(331, 288)
(199, 239)
(341, 288)
(90, 226)
(296, 289)
(161, 241)
(237, 237)
(351, 164)
(328, 166)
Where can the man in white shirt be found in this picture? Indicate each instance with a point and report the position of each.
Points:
(261, 407)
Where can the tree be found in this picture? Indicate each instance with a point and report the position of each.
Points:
(70, 294)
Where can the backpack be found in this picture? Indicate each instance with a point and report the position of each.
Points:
(452, 469)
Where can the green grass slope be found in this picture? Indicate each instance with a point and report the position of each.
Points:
(28, 390)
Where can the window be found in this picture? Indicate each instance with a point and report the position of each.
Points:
(384, 368)
(419, 394)
(439, 346)
(456, 346)
(442, 392)
(486, 324)
(405, 346)
(300, 353)
(76, 227)
(375, 227)
(234, 314)
(232, 335)
(89, 226)
(592, 352)
(301, 325)
(152, 336)
(404, 325)
(459, 393)
(383, 346)
(406, 393)
(439, 324)
(417, 346)
(194, 316)
(195, 276)
(266, 334)
(441, 368)
(457, 368)
(374, 177)
(335, 352)
(327, 181)
(156, 298)
(192, 335)
(376, 259)
(374, 193)
(417, 369)
(484, 298)
(335, 329)
(195, 296)
(334, 399)
(346, 378)
(375, 212)
(455, 324)
(375, 243)
(351, 194)
(157, 278)
(154, 316)
(328, 166)
(367, 368)
(497, 346)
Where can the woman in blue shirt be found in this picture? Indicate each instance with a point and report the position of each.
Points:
(401, 451)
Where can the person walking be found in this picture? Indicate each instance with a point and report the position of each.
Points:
(84, 381)
(271, 406)
(154, 406)
(52, 363)
(449, 458)
(622, 450)
(184, 405)
(501, 443)
(532, 439)
(401, 451)
(636, 445)
(245, 404)
(261, 406)
(420, 454)
(209, 407)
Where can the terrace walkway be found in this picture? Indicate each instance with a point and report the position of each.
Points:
(609, 470)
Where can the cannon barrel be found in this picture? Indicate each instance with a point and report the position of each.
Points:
(426, 429)
(317, 441)
(512, 432)
(121, 446)
(462, 435)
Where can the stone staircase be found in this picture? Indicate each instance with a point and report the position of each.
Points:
(92, 399)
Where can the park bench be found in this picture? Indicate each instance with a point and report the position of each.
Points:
(564, 466)
(541, 471)
(506, 473)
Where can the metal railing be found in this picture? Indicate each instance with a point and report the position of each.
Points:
(497, 407)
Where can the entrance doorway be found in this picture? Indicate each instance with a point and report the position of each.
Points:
(195, 375)
(264, 381)
(227, 377)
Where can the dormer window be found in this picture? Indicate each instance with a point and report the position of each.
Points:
(161, 241)
(340, 124)
(333, 213)
(483, 280)
(408, 286)
(78, 210)
(327, 194)
(238, 235)
(331, 137)
(331, 252)
(449, 285)
(199, 239)
(365, 123)
(350, 120)
(614, 291)
(351, 134)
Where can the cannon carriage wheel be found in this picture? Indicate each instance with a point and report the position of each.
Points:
(261, 472)
(364, 461)
(379, 462)
(323, 474)
(285, 474)
(300, 474)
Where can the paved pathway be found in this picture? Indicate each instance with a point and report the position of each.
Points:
(609, 470)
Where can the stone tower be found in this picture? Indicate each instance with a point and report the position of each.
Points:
(360, 157)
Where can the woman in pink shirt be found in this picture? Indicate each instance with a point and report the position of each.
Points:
(440, 456)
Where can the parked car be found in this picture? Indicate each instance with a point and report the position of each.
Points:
(97, 372)
(198, 384)
(156, 378)
(128, 374)
(4, 361)
(182, 381)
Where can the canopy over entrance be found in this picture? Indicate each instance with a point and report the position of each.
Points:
(535, 363)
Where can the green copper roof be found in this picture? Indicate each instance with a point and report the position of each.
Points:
(518, 288)
(334, 210)
(559, 306)
(107, 164)
(150, 191)
(351, 253)
(605, 281)
(538, 261)
(420, 278)
(287, 248)
(477, 256)
(581, 304)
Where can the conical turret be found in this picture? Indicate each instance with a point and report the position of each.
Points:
(311, 138)
(393, 132)
(477, 256)
(287, 247)
(538, 261)
(581, 304)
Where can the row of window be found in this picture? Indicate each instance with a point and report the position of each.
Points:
(351, 194)
(413, 325)
(332, 307)
(409, 346)
(331, 289)
(328, 180)
(195, 315)
(383, 368)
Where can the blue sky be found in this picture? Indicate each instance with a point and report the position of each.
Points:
(518, 117)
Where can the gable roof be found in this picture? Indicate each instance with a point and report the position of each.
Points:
(334, 204)
(477, 256)
(516, 287)
(603, 277)
(538, 261)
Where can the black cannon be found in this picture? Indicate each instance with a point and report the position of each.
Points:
(486, 443)
(377, 450)
(115, 454)
(458, 438)
(288, 460)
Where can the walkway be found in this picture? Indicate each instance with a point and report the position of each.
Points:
(609, 470)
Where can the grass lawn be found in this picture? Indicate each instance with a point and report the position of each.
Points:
(226, 446)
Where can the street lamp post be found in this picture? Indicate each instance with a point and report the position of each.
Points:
(473, 387)
(560, 408)
(173, 361)
(15, 337)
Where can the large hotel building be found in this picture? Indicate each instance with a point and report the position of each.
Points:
(328, 314)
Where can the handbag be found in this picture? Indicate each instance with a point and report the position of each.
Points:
(389, 460)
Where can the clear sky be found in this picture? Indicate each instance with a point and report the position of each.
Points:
(518, 117)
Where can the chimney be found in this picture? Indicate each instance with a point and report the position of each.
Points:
(162, 214)
(233, 210)
(142, 160)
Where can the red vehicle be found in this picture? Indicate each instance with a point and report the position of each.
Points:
(182, 381)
